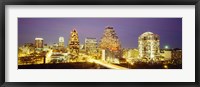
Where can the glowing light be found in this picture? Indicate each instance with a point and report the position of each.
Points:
(165, 66)
(148, 45)
(73, 43)
(48, 56)
(166, 47)
(103, 63)
(110, 40)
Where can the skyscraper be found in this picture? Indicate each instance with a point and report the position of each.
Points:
(73, 44)
(61, 42)
(91, 45)
(110, 43)
(38, 42)
(149, 46)
(110, 40)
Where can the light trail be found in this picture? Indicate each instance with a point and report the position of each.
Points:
(103, 63)
(108, 65)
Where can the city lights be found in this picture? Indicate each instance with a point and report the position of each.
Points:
(109, 50)
(149, 46)
(81, 49)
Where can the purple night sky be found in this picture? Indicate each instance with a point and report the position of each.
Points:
(127, 29)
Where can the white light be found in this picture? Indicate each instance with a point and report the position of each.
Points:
(166, 47)
(38, 38)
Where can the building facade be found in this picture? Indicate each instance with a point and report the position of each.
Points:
(91, 46)
(130, 53)
(38, 42)
(149, 46)
(177, 53)
(110, 40)
(61, 42)
(166, 54)
(110, 43)
(73, 44)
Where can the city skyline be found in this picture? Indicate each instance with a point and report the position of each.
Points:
(127, 29)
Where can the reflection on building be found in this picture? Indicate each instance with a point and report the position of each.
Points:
(149, 46)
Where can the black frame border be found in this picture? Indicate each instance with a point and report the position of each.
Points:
(98, 2)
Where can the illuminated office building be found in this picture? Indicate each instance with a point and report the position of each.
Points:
(110, 43)
(73, 43)
(38, 42)
(91, 46)
(149, 46)
(110, 40)
(61, 42)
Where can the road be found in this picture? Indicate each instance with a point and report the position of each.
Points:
(90, 59)
(104, 63)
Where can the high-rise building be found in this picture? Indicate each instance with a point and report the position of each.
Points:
(110, 43)
(55, 46)
(73, 44)
(110, 40)
(61, 42)
(91, 46)
(38, 42)
(149, 46)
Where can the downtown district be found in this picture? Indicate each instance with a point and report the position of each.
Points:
(105, 54)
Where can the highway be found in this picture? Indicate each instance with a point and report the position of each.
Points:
(103, 63)
(90, 59)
